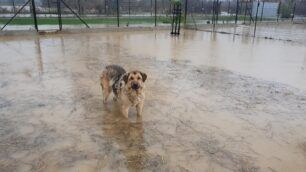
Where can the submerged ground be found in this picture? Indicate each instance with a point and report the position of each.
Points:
(214, 103)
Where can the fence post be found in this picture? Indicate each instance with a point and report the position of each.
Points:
(118, 22)
(59, 14)
(237, 10)
(262, 9)
(185, 15)
(14, 8)
(245, 11)
(34, 15)
(293, 12)
(256, 18)
(278, 10)
(155, 17)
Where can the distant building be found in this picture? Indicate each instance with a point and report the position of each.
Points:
(267, 9)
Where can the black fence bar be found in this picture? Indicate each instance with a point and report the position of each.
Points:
(14, 8)
(185, 14)
(237, 10)
(256, 18)
(278, 10)
(293, 11)
(118, 22)
(59, 15)
(11, 19)
(155, 13)
(262, 10)
(245, 11)
(34, 15)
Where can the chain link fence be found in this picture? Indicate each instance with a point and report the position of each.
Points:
(95, 13)
(270, 19)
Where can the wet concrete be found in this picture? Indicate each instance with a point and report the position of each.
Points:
(214, 103)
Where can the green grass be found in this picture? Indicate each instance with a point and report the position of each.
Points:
(93, 20)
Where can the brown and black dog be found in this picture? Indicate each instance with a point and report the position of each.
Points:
(128, 87)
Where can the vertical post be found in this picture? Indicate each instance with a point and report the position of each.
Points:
(151, 4)
(49, 7)
(213, 14)
(217, 11)
(293, 12)
(185, 15)
(14, 8)
(229, 6)
(245, 11)
(262, 9)
(129, 8)
(59, 14)
(278, 10)
(155, 13)
(256, 18)
(34, 15)
(237, 9)
(118, 22)
(202, 9)
(79, 7)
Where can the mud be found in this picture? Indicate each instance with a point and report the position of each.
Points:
(214, 103)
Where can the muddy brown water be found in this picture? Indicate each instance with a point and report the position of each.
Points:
(214, 103)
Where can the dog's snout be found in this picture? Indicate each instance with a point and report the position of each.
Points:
(135, 86)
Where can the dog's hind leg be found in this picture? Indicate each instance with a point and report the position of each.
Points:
(106, 90)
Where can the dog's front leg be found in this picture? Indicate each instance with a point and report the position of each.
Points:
(139, 108)
(125, 110)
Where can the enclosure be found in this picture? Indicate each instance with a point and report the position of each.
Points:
(226, 94)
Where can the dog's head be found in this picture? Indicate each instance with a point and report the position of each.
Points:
(134, 80)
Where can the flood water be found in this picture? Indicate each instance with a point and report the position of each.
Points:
(214, 102)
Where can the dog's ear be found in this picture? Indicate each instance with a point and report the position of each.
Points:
(144, 76)
(126, 77)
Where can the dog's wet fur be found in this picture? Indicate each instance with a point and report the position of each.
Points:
(128, 87)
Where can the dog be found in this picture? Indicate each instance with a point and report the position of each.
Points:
(128, 88)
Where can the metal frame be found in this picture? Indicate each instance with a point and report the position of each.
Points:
(35, 15)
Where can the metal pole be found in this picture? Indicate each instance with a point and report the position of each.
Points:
(151, 7)
(155, 3)
(245, 11)
(129, 8)
(59, 15)
(229, 6)
(185, 15)
(49, 7)
(262, 10)
(118, 22)
(34, 15)
(256, 18)
(79, 6)
(14, 8)
(293, 12)
(237, 9)
(15, 14)
(217, 11)
(213, 14)
(278, 10)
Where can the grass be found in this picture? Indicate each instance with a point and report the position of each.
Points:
(92, 20)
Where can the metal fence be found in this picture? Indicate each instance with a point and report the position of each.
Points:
(245, 17)
(57, 14)
(271, 19)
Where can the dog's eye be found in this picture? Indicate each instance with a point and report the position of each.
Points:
(138, 78)
(131, 78)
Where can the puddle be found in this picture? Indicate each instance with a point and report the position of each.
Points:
(214, 103)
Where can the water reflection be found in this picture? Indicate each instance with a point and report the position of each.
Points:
(129, 138)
